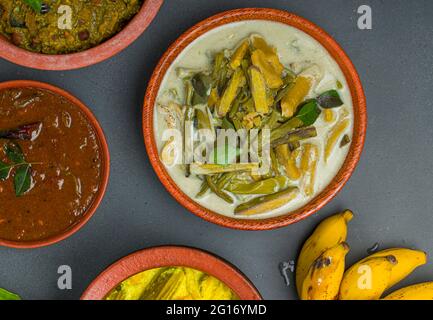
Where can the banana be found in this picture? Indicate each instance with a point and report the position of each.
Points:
(325, 274)
(421, 291)
(367, 279)
(329, 233)
(408, 261)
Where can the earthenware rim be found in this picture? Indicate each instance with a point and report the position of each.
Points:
(89, 57)
(170, 256)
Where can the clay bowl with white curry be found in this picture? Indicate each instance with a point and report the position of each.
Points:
(254, 119)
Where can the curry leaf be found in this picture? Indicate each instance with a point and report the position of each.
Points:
(6, 295)
(5, 170)
(35, 4)
(22, 179)
(14, 153)
(309, 113)
(330, 99)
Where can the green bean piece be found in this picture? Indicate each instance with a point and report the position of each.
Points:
(217, 67)
(285, 128)
(294, 145)
(188, 136)
(188, 124)
(281, 93)
(295, 136)
(234, 110)
(237, 123)
(266, 203)
(274, 162)
(203, 120)
(272, 120)
(211, 169)
(189, 92)
(220, 74)
(225, 179)
(220, 193)
(249, 105)
(267, 186)
(227, 124)
(245, 65)
(290, 76)
(203, 189)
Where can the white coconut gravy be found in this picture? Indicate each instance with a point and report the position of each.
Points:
(296, 49)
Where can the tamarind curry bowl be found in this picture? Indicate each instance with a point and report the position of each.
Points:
(54, 164)
(254, 70)
(171, 273)
(66, 35)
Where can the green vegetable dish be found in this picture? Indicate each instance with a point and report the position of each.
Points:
(301, 112)
(63, 26)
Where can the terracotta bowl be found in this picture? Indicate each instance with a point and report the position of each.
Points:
(88, 57)
(359, 104)
(105, 156)
(170, 256)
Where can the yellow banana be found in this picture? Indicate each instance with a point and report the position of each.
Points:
(421, 291)
(408, 261)
(367, 279)
(329, 233)
(325, 274)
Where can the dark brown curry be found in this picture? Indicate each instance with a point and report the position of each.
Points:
(60, 149)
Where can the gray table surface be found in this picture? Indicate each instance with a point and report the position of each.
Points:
(390, 192)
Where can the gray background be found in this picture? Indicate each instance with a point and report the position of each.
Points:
(390, 192)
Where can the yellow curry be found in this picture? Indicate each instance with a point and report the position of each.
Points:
(172, 283)
(63, 26)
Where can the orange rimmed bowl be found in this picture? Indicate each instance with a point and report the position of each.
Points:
(89, 57)
(170, 256)
(359, 109)
(105, 172)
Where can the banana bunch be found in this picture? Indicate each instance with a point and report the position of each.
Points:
(329, 233)
(321, 275)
